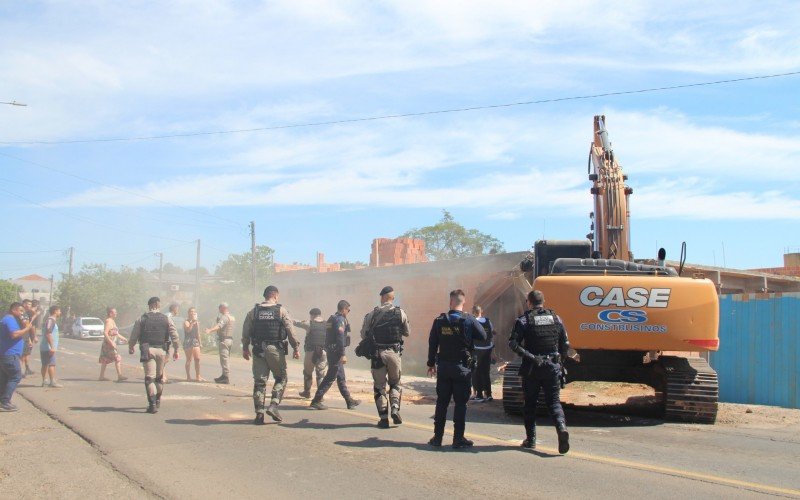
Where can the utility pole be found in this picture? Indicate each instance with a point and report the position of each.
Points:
(197, 276)
(253, 254)
(160, 270)
(50, 301)
(71, 260)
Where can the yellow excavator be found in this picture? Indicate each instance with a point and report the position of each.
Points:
(627, 321)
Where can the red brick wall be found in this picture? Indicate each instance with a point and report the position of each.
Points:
(387, 252)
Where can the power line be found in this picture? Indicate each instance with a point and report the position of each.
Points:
(117, 188)
(36, 251)
(167, 218)
(401, 115)
(90, 221)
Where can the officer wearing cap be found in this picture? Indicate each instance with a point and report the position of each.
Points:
(224, 330)
(315, 361)
(450, 358)
(540, 338)
(154, 332)
(386, 325)
(268, 327)
(337, 339)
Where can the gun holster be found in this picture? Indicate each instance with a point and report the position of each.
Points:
(144, 353)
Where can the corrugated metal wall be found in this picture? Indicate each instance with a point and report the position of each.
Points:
(759, 357)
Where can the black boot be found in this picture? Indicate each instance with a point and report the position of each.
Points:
(383, 423)
(530, 441)
(563, 438)
(151, 408)
(461, 442)
(352, 403)
(259, 420)
(317, 405)
(436, 441)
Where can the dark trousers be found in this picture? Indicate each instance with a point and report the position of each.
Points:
(452, 382)
(10, 375)
(545, 377)
(335, 372)
(480, 376)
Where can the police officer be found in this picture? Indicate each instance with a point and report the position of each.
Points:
(224, 330)
(268, 328)
(336, 341)
(315, 361)
(540, 338)
(386, 325)
(450, 347)
(481, 380)
(154, 332)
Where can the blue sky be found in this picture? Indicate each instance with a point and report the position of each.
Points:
(715, 166)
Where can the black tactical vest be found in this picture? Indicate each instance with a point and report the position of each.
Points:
(388, 329)
(267, 324)
(315, 336)
(154, 329)
(453, 344)
(542, 332)
(332, 333)
(487, 326)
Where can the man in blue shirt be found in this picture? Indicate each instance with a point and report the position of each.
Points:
(450, 358)
(12, 331)
(336, 341)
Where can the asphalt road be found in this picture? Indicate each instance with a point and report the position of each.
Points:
(202, 445)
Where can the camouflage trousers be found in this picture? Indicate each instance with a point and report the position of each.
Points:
(390, 372)
(273, 361)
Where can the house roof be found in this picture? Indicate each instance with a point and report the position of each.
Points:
(33, 277)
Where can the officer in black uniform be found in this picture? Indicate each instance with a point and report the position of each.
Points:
(337, 339)
(540, 338)
(450, 358)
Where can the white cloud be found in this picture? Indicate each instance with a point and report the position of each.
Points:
(112, 64)
(679, 169)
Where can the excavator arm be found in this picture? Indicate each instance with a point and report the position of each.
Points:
(610, 235)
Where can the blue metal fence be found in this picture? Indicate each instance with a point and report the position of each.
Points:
(759, 357)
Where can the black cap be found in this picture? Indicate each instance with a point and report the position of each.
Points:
(315, 312)
(270, 289)
(386, 289)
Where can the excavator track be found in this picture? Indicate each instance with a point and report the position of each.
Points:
(691, 390)
(513, 397)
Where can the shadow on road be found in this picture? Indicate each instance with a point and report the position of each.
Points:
(307, 424)
(109, 409)
(374, 442)
(206, 422)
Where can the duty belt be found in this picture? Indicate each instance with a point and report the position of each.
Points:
(554, 357)
(381, 347)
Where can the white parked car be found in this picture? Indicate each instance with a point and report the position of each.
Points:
(88, 328)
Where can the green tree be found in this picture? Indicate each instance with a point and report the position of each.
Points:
(447, 239)
(236, 267)
(9, 293)
(96, 287)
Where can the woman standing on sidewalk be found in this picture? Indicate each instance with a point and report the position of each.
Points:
(108, 351)
(191, 344)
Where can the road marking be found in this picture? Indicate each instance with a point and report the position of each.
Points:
(588, 457)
